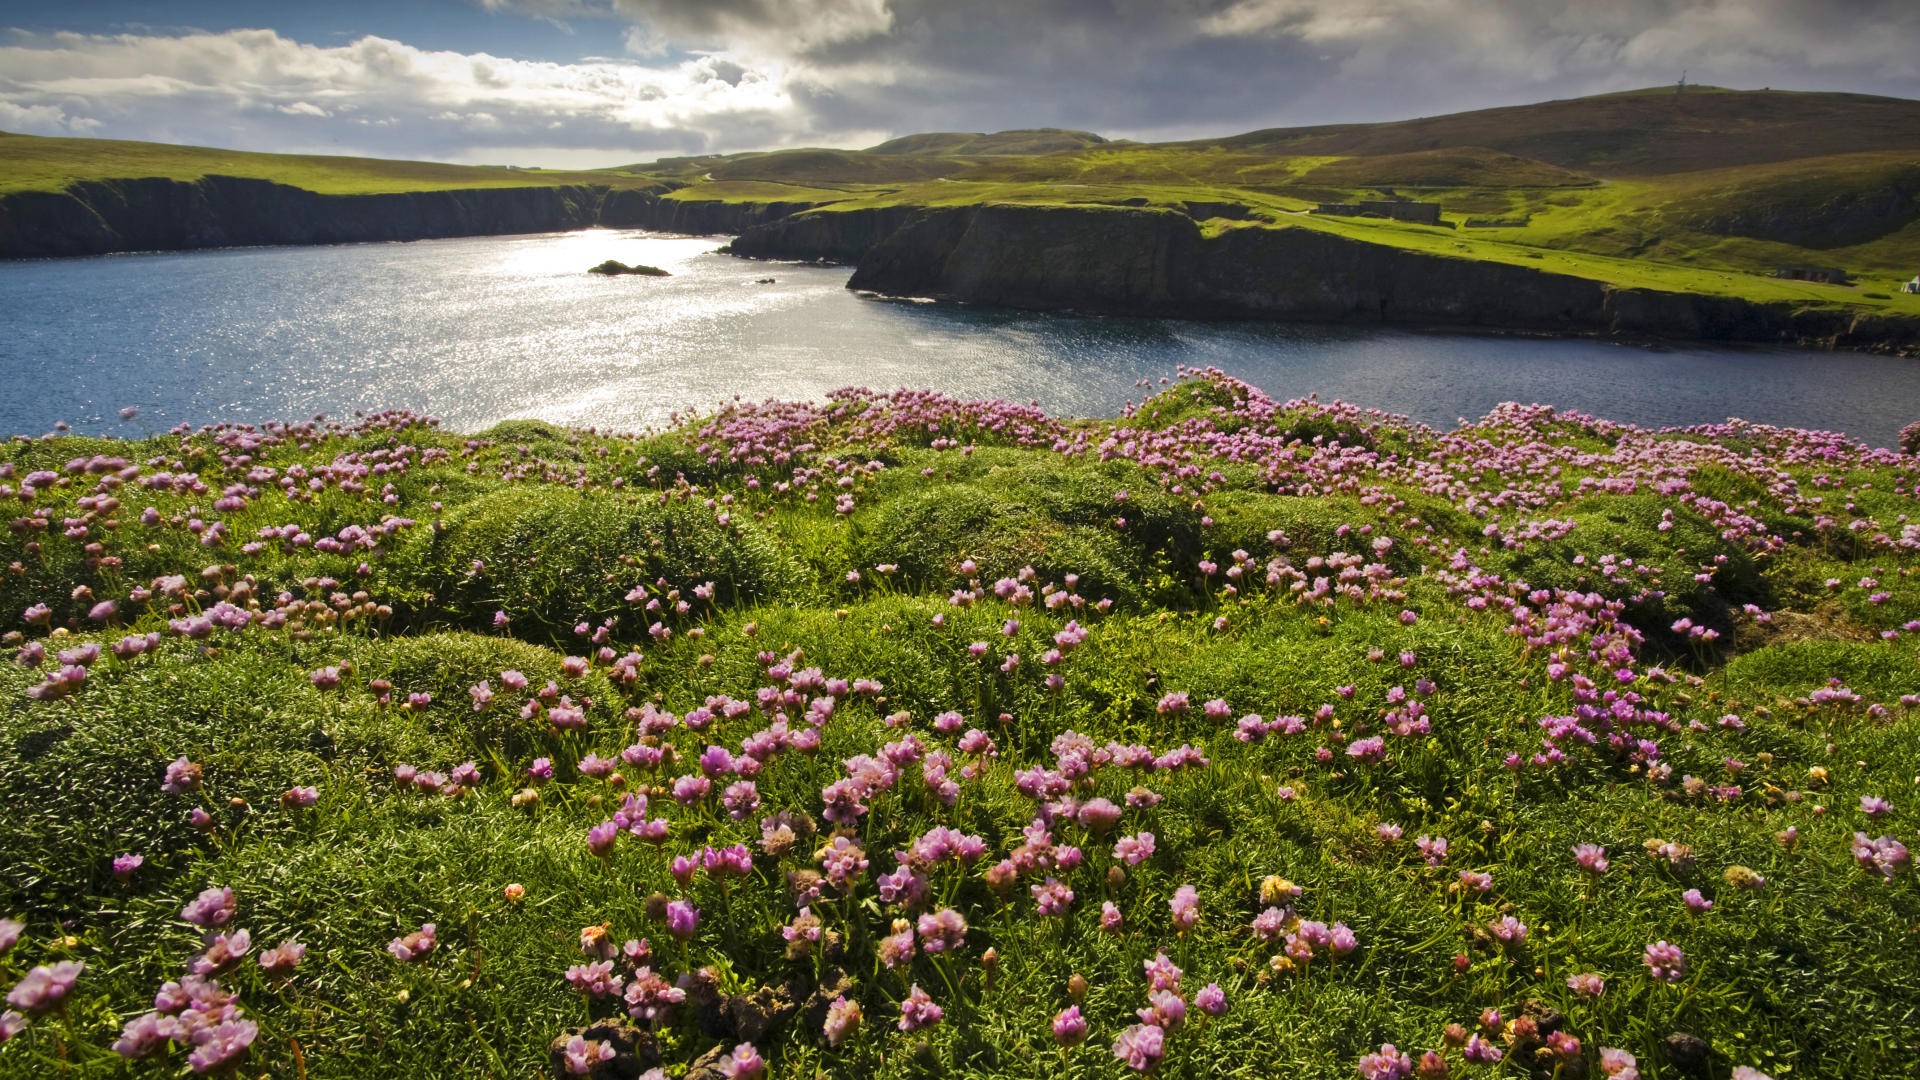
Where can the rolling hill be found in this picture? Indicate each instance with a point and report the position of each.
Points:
(1708, 191)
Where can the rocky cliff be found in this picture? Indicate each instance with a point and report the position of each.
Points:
(1149, 261)
(94, 218)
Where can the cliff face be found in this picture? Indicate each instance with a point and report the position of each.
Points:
(1103, 259)
(1144, 261)
(223, 211)
(841, 236)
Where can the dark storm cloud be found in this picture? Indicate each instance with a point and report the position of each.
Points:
(1219, 65)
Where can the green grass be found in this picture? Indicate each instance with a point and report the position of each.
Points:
(1807, 976)
(35, 163)
(1710, 191)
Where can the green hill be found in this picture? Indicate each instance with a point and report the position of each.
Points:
(998, 144)
(36, 163)
(1638, 133)
(1707, 189)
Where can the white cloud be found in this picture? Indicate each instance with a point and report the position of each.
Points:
(208, 87)
(43, 120)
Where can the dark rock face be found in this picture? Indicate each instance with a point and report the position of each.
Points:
(616, 268)
(1689, 1053)
(828, 235)
(1147, 261)
(95, 218)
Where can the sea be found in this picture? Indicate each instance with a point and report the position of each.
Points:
(478, 330)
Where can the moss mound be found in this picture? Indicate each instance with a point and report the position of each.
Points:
(550, 558)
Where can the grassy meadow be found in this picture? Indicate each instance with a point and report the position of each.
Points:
(900, 736)
(35, 163)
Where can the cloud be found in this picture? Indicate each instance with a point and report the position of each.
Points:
(1742, 39)
(265, 91)
(721, 75)
(791, 27)
(1158, 68)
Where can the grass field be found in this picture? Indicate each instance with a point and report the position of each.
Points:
(1547, 740)
(33, 163)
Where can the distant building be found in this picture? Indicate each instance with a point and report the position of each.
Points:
(1912, 286)
(1825, 274)
(1417, 212)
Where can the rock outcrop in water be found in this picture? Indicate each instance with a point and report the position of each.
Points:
(1150, 261)
(98, 217)
(616, 268)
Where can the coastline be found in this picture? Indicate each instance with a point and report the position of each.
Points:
(1143, 261)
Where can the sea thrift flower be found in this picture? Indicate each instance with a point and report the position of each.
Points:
(282, 958)
(1666, 962)
(1186, 907)
(1069, 1027)
(1052, 898)
(1368, 750)
(1591, 857)
(223, 952)
(1211, 1000)
(843, 1019)
(600, 839)
(594, 979)
(744, 1063)
(1432, 848)
(1618, 1064)
(942, 931)
(649, 997)
(1884, 856)
(182, 776)
(1134, 850)
(213, 907)
(1110, 918)
(583, 1055)
(1589, 984)
(124, 866)
(683, 919)
(414, 946)
(141, 1037)
(1479, 1051)
(1508, 931)
(1161, 974)
(1098, 816)
(1387, 1063)
(1140, 1047)
(44, 988)
(918, 1010)
(218, 1046)
(1696, 903)
(1165, 1009)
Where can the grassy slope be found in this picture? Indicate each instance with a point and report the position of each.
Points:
(1810, 976)
(1707, 191)
(34, 163)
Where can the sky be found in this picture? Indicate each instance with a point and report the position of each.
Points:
(581, 83)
